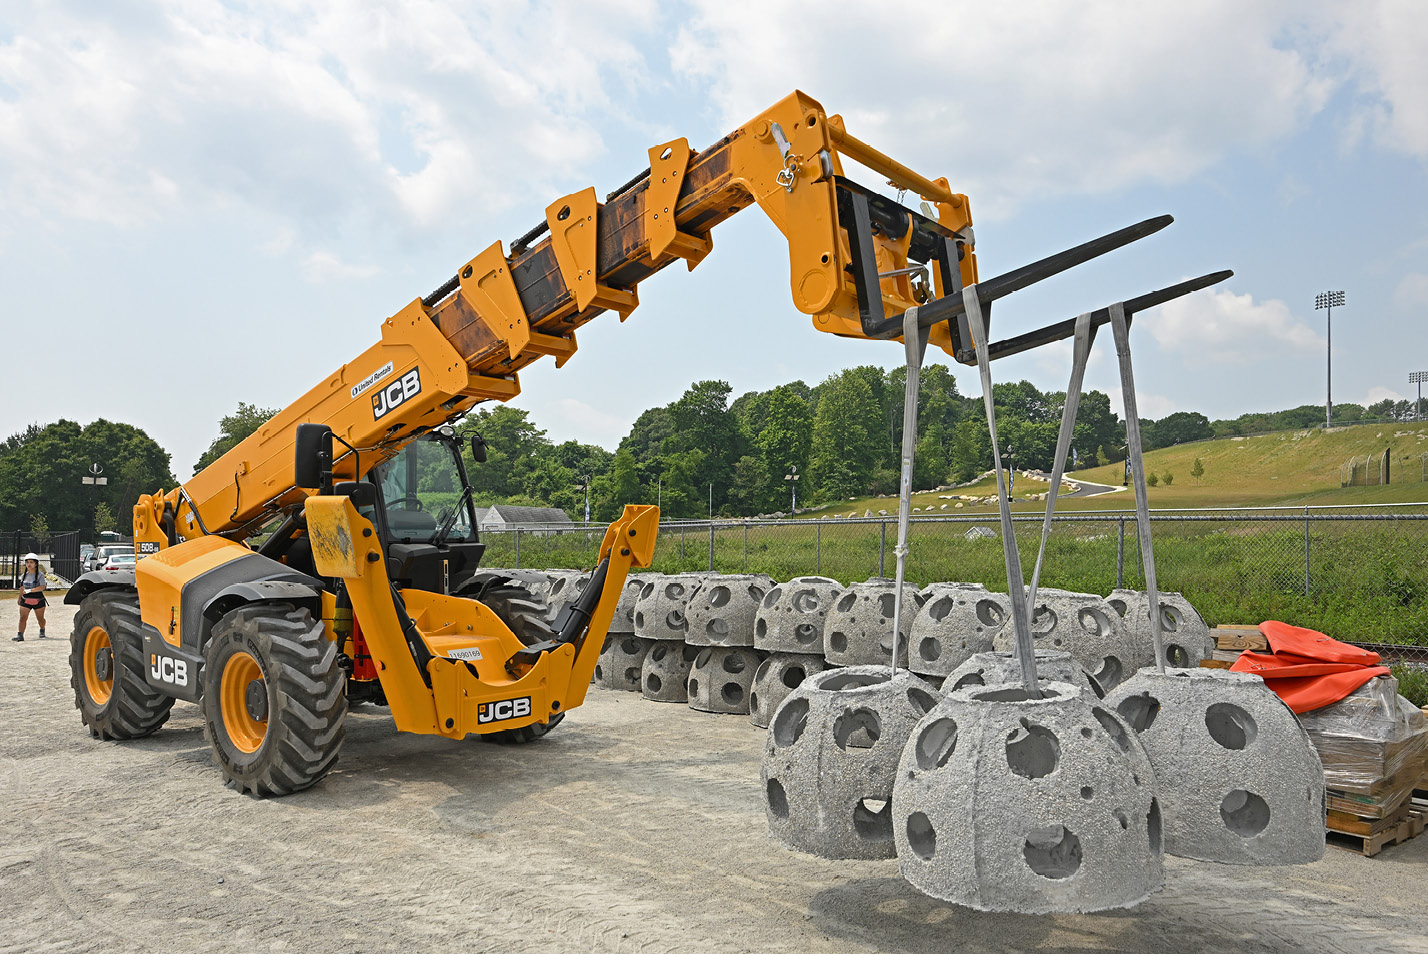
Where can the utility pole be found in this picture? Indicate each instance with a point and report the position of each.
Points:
(792, 478)
(1327, 302)
(1418, 377)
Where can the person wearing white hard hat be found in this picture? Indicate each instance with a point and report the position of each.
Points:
(32, 595)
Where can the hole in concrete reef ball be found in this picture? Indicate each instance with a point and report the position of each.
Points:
(1109, 675)
(857, 729)
(633, 675)
(971, 679)
(1177, 656)
(630, 646)
(755, 594)
(936, 743)
(872, 819)
(674, 590)
(1112, 727)
(1152, 825)
(772, 597)
(1095, 686)
(599, 673)
(805, 632)
(653, 682)
(693, 686)
(1086, 733)
(717, 627)
(675, 620)
(1087, 792)
(762, 673)
(718, 596)
(1033, 751)
(793, 676)
(887, 604)
(838, 642)
(842, 682)
(806, 601)
(732, 693)
(1244, 813)
(989, 613)
(690, 652)
(790, 722)
(735, 663)
(1093, 622)
(1230, 726)
(754, 701)
(921, 837)
(846, 603)
(940, 608)
(1119, 606)
(920, 700)
(646, 590)
(1120, 816)
(1140, 710)
(1043, 620)
(640, 620)
(929, 649)
(761, 628)
(1012, 694)
(778, 799)
(703, 659)
(1053, 852)
(659, 652)
(1169, 619)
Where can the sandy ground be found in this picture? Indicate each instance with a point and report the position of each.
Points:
(634, 827)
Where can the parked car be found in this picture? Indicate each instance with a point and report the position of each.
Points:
(120, 561)
(104, 551)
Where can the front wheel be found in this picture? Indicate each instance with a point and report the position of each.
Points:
(106, 662)
(274, 699)
(526, 733)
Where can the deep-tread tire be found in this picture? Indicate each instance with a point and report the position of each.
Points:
(525, 612)
(305, 694)
(526, 733)
(133, 709)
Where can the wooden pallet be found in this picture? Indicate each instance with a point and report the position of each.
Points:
(1239, 637)
(1369, 845)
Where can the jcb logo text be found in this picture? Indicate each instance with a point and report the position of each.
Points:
(168, 669)
(396, 394)
(505, 709)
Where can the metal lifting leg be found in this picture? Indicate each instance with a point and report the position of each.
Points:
(1121, 329)
(915, 344)
(1025, 650)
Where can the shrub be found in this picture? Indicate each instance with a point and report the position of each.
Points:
(1151, 479)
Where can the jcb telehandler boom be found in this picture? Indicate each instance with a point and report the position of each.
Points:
(355, 592)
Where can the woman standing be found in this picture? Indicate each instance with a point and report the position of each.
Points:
(32, 595)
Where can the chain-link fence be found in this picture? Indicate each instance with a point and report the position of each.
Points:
(1357, 573)
(58, 552)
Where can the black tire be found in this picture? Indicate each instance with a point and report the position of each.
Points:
(284, 735)
(526, 733)
(524, 611)
(131, 709)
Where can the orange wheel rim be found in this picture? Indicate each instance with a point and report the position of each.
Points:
(96, 642)
(246, 732)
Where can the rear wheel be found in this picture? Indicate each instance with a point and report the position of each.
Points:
(106, 662)
(274, 699)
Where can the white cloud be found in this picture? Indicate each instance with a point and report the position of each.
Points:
(1412, 292)
(601, 428)
(322, 267)
(1383, 42)
(1376, 394)
(1149, 406)
(1228, 327)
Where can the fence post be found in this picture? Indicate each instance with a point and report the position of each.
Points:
(746, 548)
(1306, 551)
(882, 546)
(518, 548)
(711, 546)
(818, 557)
(1121, 556)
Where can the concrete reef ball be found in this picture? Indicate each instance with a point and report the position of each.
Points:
(621, 662)
(1183, 632)
(957, 621)
(665, 674)
(1240, 782)
(792, 615)
(1062, 794)
(662, 605)
(1004, 669)
(722, 612)
(624, 619)
(722, 679)
(859, 628)
(1083, 625)
(830, 756)
(777, 676)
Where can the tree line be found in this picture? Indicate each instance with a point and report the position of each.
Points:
(842, 438)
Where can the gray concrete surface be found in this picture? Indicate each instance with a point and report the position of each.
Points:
(633, 828)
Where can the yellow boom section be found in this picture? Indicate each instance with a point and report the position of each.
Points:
(440, 356)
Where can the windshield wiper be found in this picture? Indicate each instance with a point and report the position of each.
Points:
(450, 520)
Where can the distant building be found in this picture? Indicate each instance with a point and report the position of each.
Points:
(503, 517)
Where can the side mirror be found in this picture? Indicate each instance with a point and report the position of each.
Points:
(478, 448)
(312, 457)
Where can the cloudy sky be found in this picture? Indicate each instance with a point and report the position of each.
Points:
(203, 203)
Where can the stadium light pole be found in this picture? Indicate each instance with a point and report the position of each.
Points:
(1418, 377)
(1327, 302)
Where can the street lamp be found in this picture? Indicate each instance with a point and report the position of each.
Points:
(585, 482)
(95, 479)
(1418, 377)
(1327, 302)
(1011, 471)
(792, 478)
